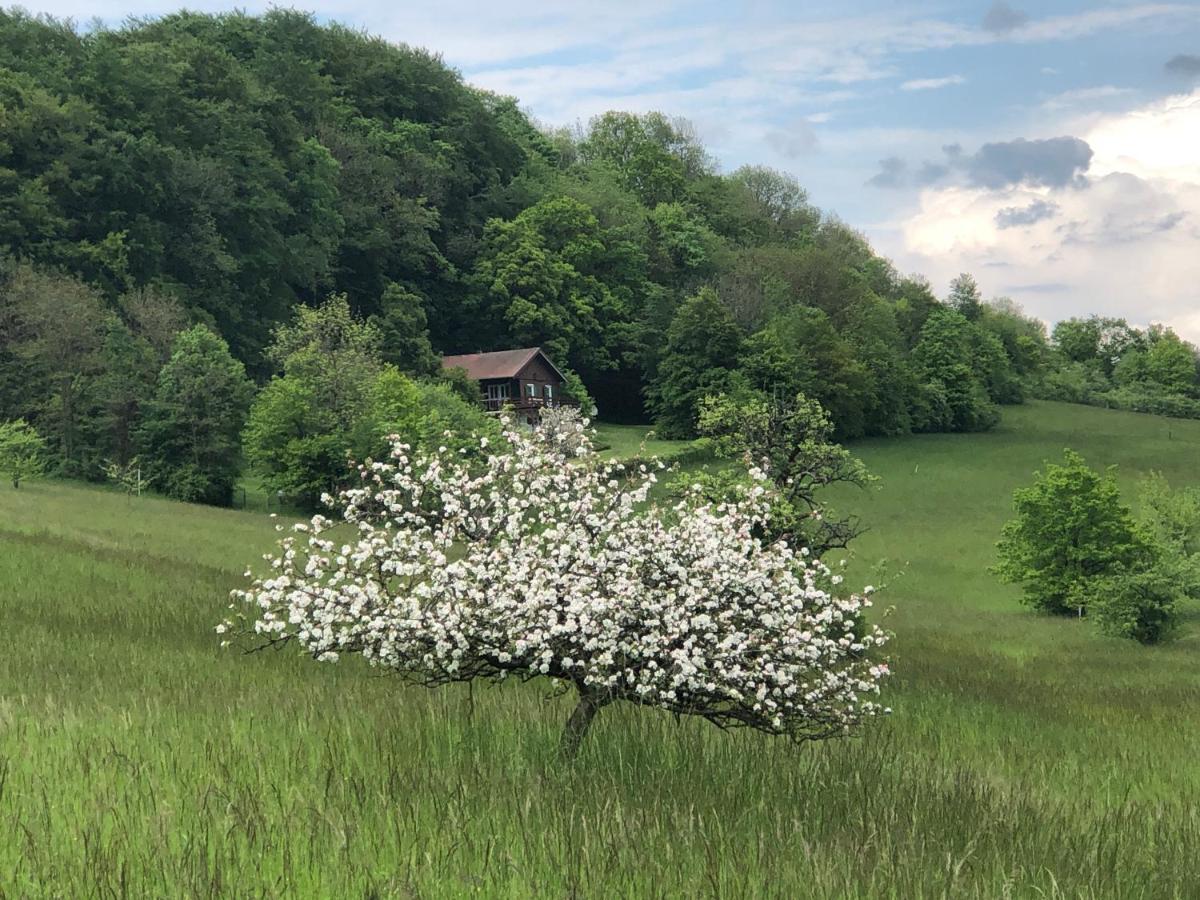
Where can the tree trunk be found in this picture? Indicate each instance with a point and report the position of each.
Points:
(581, 719)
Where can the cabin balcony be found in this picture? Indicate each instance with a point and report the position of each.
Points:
(522, 404)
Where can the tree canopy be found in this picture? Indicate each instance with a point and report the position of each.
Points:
(238, 168)
(543, 560)
(1070, 529)
(234, 171)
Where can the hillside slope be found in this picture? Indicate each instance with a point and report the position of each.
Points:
(1025, 754)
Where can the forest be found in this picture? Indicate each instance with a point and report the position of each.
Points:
(209, 220)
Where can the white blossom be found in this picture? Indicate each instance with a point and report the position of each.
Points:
(533, 559)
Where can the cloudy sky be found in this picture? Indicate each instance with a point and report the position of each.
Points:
(1051, 148)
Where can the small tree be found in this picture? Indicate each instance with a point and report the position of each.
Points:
(1071, 530)
(539, 560)
(22, 451)
(792, 442)
(129, 367)
(129, 476)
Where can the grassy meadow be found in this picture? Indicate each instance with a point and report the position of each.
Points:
(1027, 757)
(633, 440)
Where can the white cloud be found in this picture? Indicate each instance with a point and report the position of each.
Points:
(1157, 141)
(1081, 24)
(1085, 97)
(1126, 244)
(929, 84)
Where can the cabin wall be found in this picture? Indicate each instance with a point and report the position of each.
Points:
(539, 375)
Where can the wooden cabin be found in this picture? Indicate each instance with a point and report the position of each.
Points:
(524, 380)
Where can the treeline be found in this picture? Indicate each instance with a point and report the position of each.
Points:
(135, 387)
(228, 172)
(1108, 362)
(245, 165)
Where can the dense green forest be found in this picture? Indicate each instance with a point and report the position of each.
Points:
(223, 172)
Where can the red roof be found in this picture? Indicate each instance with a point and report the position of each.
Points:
(497, 364)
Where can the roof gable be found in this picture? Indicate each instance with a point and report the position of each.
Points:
(498, 363)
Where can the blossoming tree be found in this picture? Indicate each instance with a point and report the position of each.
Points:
(538, 558)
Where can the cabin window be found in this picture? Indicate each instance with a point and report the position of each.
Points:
(547, 394)
(497, 393)
(531, 391)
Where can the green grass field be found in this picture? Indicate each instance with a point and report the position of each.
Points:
(632, 440)
(1027, 757)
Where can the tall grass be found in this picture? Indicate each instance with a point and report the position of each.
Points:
(1027, 756)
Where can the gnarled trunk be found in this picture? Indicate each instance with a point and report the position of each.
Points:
(580, 721)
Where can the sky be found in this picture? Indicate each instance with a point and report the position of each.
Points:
(1052, 149)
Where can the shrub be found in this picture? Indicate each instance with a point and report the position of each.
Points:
(574, 388)
(460, 384)
(1083, 383)
(1149, 399)
(1139, 605)
(1073, 382)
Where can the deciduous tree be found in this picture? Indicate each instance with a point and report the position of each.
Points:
(22, 451)
(1070, 531)
(404, 333)
(191, 429)
(957, 399)
(791, 441)
(336, 400)
(542, 560)
(965, 297)
(701, 356)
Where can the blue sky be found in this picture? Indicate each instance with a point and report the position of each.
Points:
(1051, 148)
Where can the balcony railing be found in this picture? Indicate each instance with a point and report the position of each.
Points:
(495, 404)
